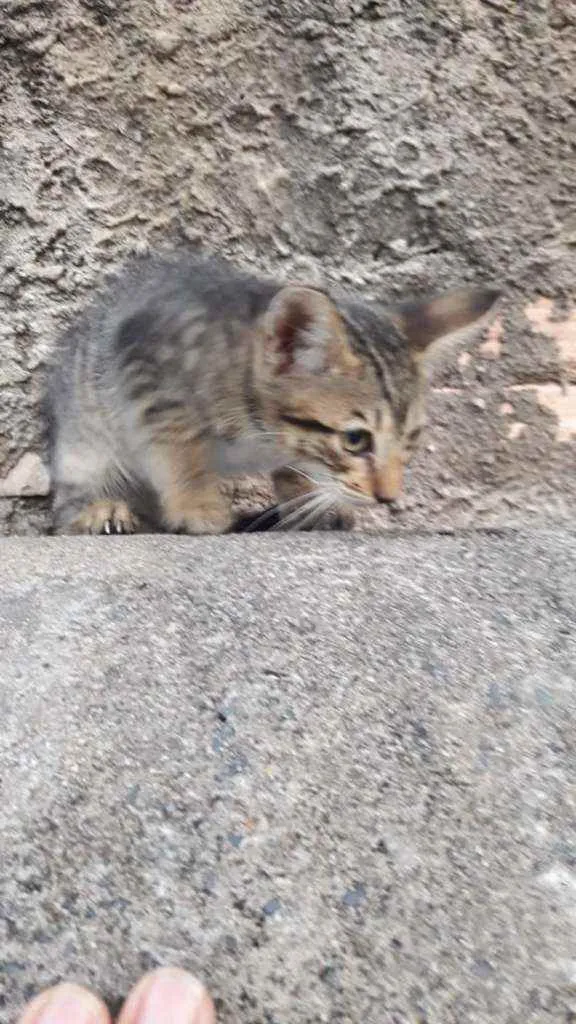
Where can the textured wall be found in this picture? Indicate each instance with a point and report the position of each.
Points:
(383, 145)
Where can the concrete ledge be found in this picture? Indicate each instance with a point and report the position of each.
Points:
(333, 775)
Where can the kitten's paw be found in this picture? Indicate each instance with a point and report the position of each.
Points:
(200, 510)
(201, 522)
(105, 517)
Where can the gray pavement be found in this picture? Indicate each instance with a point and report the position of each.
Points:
(333, 775)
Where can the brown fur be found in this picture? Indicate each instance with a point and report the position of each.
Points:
(188, 372)
(105, 517)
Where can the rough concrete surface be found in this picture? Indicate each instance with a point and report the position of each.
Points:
(383, 145)
(333, 776)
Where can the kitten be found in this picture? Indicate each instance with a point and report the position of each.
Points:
(186, 372)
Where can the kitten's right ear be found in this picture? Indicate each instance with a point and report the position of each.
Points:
(303, 332)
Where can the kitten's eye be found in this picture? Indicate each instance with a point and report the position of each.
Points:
(357, 442)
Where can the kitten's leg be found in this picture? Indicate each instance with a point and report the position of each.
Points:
(191, 498)
(89, 493)
(289, 484)
(198, 506)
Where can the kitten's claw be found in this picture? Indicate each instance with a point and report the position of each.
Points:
(107, 518)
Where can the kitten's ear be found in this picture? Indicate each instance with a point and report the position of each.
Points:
(304, 333)
(430, 324)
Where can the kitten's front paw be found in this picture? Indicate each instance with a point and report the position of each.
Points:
(202, 511)
(105, 517)
(205, 527)
(205, 522)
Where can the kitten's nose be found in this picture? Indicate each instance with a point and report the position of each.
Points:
(387, 481)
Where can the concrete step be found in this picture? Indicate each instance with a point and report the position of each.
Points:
(332, 774)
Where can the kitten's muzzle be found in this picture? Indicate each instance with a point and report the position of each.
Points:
(387, 479)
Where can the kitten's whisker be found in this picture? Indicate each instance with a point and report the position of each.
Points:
(260, 433)
(305, 475)
(314, 514)
(298, 499)
(323, 508)
(328, 505)
(275, 510)
(261, 519)
(314, 501)
(293, 516)
(331, 500)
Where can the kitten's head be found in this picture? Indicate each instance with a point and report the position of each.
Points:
(346, 381)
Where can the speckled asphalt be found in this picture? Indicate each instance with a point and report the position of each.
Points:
(334, 775)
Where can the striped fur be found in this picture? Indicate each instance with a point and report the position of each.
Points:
(185, 372)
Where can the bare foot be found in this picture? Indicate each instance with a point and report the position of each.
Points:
(166, 996)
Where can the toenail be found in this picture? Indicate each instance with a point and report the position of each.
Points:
(68, 1004)
(169, 996)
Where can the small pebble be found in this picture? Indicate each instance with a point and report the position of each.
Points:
(41, 45)
(164, 43)
(482, 968)
(172, 89)
(354, 897)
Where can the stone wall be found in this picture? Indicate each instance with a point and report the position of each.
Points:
(382, 145)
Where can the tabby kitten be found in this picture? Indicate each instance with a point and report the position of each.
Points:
(186, 372)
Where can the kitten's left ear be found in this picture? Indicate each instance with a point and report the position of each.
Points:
(430, 324)
(303, 333)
